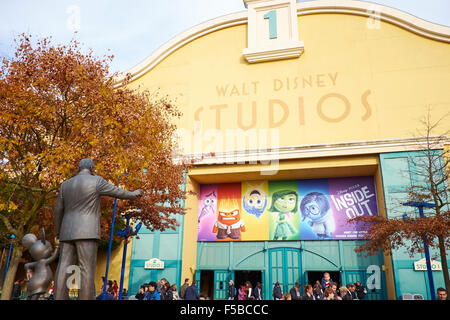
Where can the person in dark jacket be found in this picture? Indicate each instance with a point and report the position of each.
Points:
(317, 291)
(17, 290)
(308, 295)
(257, 292)
(191, 292)
(108, 294)
(277, 292)
(334, 287)
(360, 290)
(351, 288)
(295, 292)
(168, 294)
(153, 292)
(141, 293)
(184, 287)
(231, 290)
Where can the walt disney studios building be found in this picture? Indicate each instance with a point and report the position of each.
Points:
(304, 114)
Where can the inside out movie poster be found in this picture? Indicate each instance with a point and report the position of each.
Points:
(312, 209)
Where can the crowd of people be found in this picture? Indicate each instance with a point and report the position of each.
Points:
(112, 291)
(326, 289)
(163, 290)
(322, 290)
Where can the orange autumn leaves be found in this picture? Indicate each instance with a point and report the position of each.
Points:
(387, 234)
(58, 105)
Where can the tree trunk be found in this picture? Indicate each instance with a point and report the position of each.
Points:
(444, 262)
(3, 266)
(11, 275)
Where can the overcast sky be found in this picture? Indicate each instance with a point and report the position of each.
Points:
(133, 29)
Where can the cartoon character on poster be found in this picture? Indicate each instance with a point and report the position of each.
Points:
(228, 226)
(229, 223)
(284, 203)
(254, 201)
(315, 210)
(207, 212)
(208, 207)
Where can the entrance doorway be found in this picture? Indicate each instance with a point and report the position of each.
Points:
(241, 276)
(213, 284)
(314, 276)
(207, 283)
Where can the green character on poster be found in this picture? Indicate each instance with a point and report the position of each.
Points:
(284, 202)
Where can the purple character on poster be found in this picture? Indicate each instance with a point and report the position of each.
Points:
(315, 210)
(209, 208)
(207, 212)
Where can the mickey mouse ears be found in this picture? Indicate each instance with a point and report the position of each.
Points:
(43, 235)
(28, 240)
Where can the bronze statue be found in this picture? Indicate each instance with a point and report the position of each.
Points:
(77, 227)
(41, 252)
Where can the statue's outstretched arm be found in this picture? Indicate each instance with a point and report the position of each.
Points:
(107, 189)
(30, 265)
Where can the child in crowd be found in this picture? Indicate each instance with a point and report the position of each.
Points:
(326, 281)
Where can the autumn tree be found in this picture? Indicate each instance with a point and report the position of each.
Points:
(431, 185)
(59, 105)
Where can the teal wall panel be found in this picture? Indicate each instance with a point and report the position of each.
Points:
(164, 245)
(212, 255)
(355, 260)
(410, 281)
(248, 255)
(143, 247)
(253, 262)
(169, 246)
(321, 255)
(170, 273)
(140, 276)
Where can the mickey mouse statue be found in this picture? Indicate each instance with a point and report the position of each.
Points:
(41, 251)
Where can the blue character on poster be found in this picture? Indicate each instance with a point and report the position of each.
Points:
(315, 210)
(254, 201)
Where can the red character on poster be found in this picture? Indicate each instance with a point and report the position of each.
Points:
(229, 226)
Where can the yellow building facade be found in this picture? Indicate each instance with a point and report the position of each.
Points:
(335, 87)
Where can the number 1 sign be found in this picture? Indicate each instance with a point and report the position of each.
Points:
(272, 16)
(272, 30)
